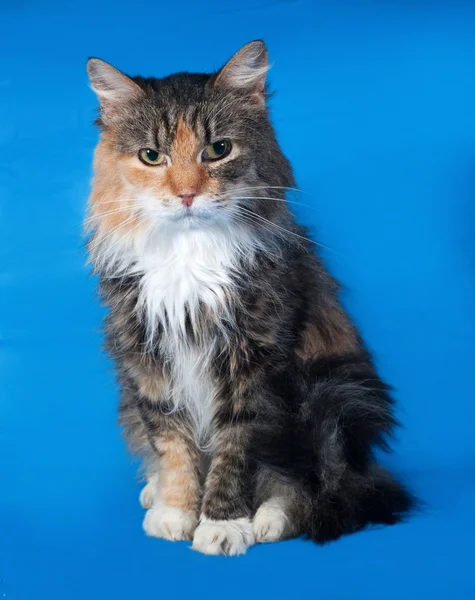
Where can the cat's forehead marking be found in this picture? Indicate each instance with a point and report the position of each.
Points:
(185, 173)
(186, 144)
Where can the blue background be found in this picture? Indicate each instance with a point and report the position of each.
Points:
(375, 107)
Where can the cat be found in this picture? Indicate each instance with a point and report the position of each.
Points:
(245, 387)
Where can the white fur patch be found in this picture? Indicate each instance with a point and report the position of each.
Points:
(271, 523)
(193, 387)
(149, 492)
(182, 269)
(169, 523)
(182, 272)
(230, 538)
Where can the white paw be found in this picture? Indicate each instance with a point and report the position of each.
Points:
(169, 522)
(223, 537)
(147, 495)
(270, 523)
(149, 492)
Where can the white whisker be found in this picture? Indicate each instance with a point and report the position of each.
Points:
(102, 238)
(252, 215)
(283, 229)
(119, 202)
(107, 251)
(269, 187)
(270, 198)
(99, 216)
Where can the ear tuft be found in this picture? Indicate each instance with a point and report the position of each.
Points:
(113, 88)
(246, 70)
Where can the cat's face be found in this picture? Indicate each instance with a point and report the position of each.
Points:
(184, 150)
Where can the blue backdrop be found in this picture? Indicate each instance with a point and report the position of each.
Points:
(375, 107)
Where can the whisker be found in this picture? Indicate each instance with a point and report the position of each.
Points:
(262, 219)
(247, 220)
(111, 212)
(215, 115)
(120, 202)
(98, 259)
(101, 239)
(283, 229)
(269, 187)
(270, 198)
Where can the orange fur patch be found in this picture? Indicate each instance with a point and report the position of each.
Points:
(141, 176)
(338, 337)
(110, 209)
(151, 385)
(186, 144)
(186, 175)
(179, 482)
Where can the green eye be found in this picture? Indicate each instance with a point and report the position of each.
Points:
(217, 150)
(152, 157)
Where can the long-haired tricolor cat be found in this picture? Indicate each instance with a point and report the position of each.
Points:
(245, 386)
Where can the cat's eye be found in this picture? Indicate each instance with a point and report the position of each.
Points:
(217, 150)
(152, 157)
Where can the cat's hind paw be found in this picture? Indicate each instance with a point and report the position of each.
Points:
(149, 491)
(147, 496)
(271, 524)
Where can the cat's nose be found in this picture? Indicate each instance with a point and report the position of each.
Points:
(187, 198)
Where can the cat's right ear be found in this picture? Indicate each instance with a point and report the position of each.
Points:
(114, 89)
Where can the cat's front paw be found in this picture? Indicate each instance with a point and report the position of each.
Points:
(170, 523)
(231, 537)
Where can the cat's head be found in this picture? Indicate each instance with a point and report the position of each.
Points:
(186, 149)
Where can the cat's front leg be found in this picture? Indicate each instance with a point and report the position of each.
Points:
(172, 494)
(174, 512)
(225, 522)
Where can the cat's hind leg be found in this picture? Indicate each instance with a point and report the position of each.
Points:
(149, 493)
(277, 509)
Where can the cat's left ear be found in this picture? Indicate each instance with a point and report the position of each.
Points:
(114, 89)
(246, 71)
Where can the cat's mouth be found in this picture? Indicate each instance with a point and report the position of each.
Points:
(193, 215)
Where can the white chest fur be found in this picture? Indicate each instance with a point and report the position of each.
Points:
(181, 272)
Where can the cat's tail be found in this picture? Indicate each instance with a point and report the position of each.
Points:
(374, 498)
(321, 445)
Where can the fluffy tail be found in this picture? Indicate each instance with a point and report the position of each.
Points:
(321, 440)
(369, 498)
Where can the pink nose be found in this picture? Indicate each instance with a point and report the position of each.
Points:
(187, 198)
